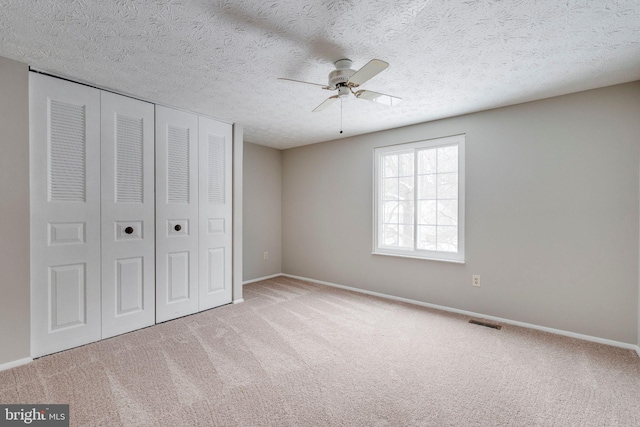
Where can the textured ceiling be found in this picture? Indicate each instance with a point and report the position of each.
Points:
(222, 58)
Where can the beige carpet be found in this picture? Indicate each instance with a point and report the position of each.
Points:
(300, 354)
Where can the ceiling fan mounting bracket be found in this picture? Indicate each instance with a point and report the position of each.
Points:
(343, 64)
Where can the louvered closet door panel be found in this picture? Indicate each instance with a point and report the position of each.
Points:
(128, 226)
(65, 214)
(215, 212)
(176, 213)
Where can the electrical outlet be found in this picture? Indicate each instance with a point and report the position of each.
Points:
(476, 280)
(266, 255)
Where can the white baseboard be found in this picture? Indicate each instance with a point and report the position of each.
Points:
(15, 363)
(259, 279)
(238, 301)
(477, 315)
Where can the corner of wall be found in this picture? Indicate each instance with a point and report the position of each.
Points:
(262, 214)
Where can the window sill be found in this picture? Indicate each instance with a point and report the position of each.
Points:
(454, 261)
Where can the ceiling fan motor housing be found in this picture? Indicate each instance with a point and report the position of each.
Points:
(339, 77)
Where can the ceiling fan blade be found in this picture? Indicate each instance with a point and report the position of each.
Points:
(380, 98)
(368, 71)
(330, 100)
(300, 81)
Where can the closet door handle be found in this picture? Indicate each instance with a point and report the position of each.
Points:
(128, 230)
(178, 227)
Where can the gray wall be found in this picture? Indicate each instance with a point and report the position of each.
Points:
(238, 163)
(14, 211)
(552, 208)
(262, 229)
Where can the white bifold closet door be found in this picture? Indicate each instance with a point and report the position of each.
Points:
(65, 214)
(176, 213)
(128, 256)
(193, 213)
(215, 206)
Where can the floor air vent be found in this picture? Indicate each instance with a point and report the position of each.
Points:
(488, 325)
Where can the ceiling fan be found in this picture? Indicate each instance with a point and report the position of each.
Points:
(344, 80)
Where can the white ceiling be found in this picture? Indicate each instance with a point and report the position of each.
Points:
(222, 57)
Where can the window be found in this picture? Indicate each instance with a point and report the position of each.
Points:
(419, 199)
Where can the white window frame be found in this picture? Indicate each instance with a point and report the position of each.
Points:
(459, 256)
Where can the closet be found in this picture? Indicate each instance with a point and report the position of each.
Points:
(130, 214)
